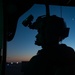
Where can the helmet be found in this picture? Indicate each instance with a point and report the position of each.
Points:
(50, 24)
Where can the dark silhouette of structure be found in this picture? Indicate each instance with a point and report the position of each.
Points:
(13, 9)
(54, 58)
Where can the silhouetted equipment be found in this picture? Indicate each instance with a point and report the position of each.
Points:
(27, 21)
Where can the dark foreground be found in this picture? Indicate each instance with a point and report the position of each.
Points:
(14, 69)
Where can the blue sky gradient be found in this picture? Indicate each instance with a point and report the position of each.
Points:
(22, 47)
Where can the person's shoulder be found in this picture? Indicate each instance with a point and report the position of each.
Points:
(35, 58)
(66, 47)
(38, 56)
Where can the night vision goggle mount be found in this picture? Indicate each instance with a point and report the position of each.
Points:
(40, 19)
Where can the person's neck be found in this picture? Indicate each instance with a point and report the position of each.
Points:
(49, 46)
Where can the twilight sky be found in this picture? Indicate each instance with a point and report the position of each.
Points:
(22, 47)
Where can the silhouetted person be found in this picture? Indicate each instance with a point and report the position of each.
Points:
(54, 58)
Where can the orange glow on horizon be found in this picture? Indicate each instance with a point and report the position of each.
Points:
(18, 59)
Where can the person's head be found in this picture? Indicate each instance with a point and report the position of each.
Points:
(51, 30)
